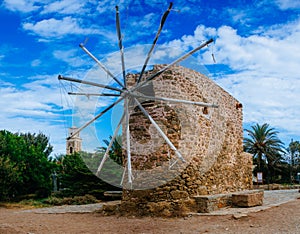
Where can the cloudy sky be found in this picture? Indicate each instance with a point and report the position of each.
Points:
(256, 48)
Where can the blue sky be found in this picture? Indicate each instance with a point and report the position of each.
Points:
(256, 48)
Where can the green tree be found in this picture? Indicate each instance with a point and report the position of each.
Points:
(24, 164)
(38, 167)
(294, 151)
(77, 179)
(294, 156)
(10, 178)
(264, 144)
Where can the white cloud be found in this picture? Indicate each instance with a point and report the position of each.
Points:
(264, 70)
(34, 107)
(65, 7)
(46, 6)
(109, 5)
(176, 48)
(265, 74)
(55, 28)
(282, 31)
(58, 28)
(29, 99)
(24, 6)
(269, 53)
(147, 22)
(4, 83)
(36, 63)
(240, 16)
(73, 57)
(287, 4)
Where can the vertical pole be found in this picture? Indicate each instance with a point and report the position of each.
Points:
(128, 142)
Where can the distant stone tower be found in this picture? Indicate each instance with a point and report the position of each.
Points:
(73, 144)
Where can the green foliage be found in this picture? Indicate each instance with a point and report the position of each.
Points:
(115, 152)
(10, 178)
(36, 203)
(24, 164)
(77, 180)
(267, 150)
(264, 144)
(293, 158)
(294, 152)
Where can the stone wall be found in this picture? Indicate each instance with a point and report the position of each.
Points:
(209, 139)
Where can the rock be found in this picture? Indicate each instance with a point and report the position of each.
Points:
(239, 216)
(176, 194)
(209, 203)
(248, 198)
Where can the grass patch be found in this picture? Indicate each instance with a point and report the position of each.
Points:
(50, 201)
(25, 204)
(76, 200)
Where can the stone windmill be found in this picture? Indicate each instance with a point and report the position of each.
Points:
(181, 133)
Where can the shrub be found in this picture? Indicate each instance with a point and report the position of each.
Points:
(76, 200)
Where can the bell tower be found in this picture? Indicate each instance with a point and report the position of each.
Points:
(74, 143)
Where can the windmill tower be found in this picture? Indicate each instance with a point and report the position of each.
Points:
(73, 141)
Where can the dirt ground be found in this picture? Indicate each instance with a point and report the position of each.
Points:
(281, 219)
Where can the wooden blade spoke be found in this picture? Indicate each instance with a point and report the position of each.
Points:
(120, 44)
(95, 94)
(89, 83)
(172, 64)
(162, 22)
(96, 117)
(175, 100)
(100, 64)
(159, 130)
(106, 154)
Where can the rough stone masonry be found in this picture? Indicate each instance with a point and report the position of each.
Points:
(209, 139)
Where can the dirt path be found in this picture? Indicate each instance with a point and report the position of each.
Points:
(284, 218)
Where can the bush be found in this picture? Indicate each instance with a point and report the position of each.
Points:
(77, 180)
(76, 200)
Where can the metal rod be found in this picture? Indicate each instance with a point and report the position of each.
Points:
(163, 19)
(175, 100)
(100, 64)
(128, 142)
(110, 144)
(95, 94)
(123, 175)
(172, 64)
(120, 44)
(96, 117)
(173, 163)
(60, 77)
(159, 130)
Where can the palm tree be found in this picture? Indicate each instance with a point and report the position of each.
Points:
(263, 143)
(115, 152)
